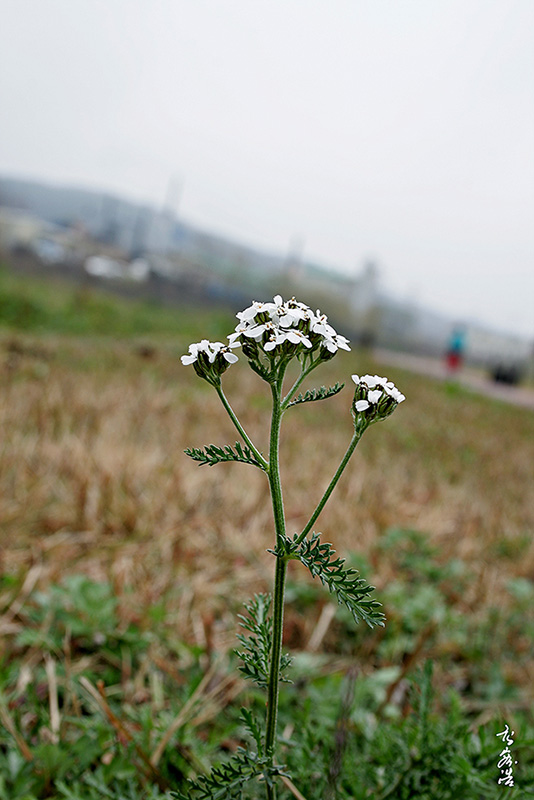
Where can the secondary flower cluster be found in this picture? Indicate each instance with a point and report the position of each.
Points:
(287, 328)
(209, 359)
(375, 398)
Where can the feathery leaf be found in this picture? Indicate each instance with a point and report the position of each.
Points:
(310, 395)
(226, 781)
(212, 454)
(350, 590)
(258, 643)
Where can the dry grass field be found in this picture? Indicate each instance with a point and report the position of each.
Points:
(93, 476)
(436, 508)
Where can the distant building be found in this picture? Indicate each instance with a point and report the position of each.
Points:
(365, 303)
(103, 266)
(19, 228)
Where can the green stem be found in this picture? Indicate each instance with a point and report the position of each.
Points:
(322, 502)
(276, 654)
(279, 581)
(305, 372)
(240, 428)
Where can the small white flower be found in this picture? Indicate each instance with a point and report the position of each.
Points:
(239, 331)
(319, 324)
(297, 337)
(194, 350)
(296, 304)
(373, 380)
(255, 331)
(374, 395)
(361, 405)
(222, 349)
(393, 392)
(290, 317)
(256, 308)
(274, 340)
(282, 315)
(335, 342)
(384, 388)
(398, 396)
(211, 350)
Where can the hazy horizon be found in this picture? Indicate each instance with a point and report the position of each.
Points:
(398, 132)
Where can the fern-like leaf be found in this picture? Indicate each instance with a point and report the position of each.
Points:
(322, 393)
(254, 728)
(255, 655)
(226, 781)
(212, 454)
(350, 590)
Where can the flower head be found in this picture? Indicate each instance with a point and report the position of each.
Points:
(285, 328)
(375, 398)
(210, 359)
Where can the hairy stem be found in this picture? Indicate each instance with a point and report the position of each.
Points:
(279, 581)
(322, 502)
(240, 428)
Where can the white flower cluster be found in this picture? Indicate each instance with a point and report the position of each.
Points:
(375, 395)
(211, 350)
(209, 359)
(280, 325)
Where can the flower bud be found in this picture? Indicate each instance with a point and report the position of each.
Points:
(375, 398)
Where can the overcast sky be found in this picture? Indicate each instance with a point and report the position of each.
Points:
(401, 130)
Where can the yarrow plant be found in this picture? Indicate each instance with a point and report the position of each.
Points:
(272, 335)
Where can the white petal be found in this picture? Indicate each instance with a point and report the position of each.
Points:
(323, 328)
(370, 380)
(292, 336)
(361, 405)
(330, 345)
(288, 319)
(255, 332)
(248, 314)
(374, 395)
(356, 379)
(188, 359)
(230, 357)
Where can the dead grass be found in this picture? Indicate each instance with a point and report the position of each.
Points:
(93, 478)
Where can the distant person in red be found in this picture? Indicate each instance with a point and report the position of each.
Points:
(455, 351)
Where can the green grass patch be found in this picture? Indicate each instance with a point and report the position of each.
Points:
(84, 718)
(54, 306)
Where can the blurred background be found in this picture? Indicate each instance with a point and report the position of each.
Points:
(376, 157)
(162, 164)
